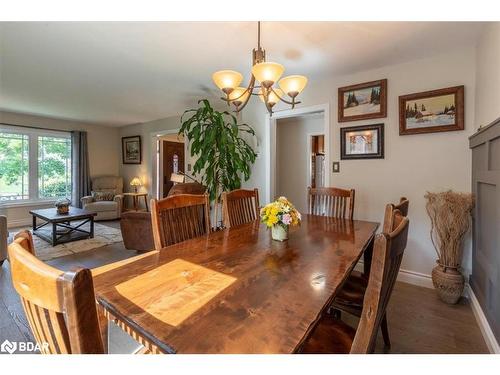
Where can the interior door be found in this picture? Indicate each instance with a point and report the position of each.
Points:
(173, 162)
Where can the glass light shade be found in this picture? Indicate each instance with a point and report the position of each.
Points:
(293, 85)
(267, 73)
(238, 95)
(272, 98)
(227, 80)
(135, 182)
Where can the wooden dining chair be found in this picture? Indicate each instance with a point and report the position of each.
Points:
(332, 335)
(331, 201)
(60, 306)
(350, 297)
(240, 207)
(179, 218)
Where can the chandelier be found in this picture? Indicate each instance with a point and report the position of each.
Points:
(265, 73)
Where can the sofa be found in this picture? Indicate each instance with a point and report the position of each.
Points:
(105, 209)
(4, 234)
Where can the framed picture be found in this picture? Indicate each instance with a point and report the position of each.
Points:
(131, 150)
(432, 111)
(362, 142)
(363, 101)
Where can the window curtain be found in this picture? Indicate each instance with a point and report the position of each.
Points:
(80, 186)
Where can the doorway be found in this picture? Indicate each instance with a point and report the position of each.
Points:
(300, 156)
(171, 160)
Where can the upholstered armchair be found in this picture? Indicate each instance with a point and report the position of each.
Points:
(4, 234)
(107, 208)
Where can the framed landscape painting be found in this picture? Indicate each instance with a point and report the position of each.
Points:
(363, 101)
(131, 150)
(362, 142)
(432, 111)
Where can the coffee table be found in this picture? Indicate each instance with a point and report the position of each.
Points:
(57, 228)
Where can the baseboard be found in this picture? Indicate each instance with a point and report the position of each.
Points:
(407, 276)
(484, 326)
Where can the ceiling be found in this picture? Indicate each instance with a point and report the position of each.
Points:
(118, 73)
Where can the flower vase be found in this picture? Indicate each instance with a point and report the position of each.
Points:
(279, 232)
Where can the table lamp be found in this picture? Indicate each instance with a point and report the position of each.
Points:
(177, 178)
(135, 183)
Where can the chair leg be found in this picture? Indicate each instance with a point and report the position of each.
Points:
(385, 331)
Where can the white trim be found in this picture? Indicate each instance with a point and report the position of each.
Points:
(26, 203)
(407, 276)
(156, 186)
(270, 146)
(484, 326)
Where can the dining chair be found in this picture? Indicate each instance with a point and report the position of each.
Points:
(60, 306)
(331, 201)
(179, 218)
(350, 297)
(240, 206)
(332, 335)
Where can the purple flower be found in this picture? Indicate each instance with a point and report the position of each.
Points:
(286, 219)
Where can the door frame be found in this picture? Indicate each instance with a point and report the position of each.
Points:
(270, 146)
(157, 160)
(308, 149)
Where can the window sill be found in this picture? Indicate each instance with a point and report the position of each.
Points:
(27, 203)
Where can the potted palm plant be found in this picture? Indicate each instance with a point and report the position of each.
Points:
(224, 157)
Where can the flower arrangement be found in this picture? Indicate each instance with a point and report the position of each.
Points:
(278, 216)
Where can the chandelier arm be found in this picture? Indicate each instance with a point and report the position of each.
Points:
(250, 90)
(293, 102)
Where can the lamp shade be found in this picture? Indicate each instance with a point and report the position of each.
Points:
(227, 80)
(273, 97)
(293, 85)
(267, 73)
(135, 182)
(178, 178)
(239, 95)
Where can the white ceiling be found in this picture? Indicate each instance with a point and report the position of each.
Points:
(118, 73)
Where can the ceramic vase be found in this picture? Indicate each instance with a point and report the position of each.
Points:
(279, 232)
(449, 283)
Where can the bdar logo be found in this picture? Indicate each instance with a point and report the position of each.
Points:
(9, 347)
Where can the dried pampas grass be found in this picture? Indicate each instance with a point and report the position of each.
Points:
(450, 214)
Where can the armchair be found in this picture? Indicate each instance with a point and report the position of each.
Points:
(106, 209)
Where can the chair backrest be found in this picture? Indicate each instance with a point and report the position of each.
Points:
(137, 231)
(108, 184)
(240, 207)
(60, 306)
(389, 217)
(330, 201)
(387, 256)
(4, 234)
(179, 218)
(187, 188)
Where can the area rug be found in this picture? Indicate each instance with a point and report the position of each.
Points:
(103, 235)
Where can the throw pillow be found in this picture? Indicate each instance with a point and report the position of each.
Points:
(103, 196)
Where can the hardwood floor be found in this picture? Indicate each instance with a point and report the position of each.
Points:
(418, 321)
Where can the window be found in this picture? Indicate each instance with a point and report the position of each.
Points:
(14, 166)
(34, 164)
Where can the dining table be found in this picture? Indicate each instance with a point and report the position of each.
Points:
(234, 290)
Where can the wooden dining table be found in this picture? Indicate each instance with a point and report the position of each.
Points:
(235, 290)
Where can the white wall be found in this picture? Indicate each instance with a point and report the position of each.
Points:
(103, 144)
(148, 132)
(292, 158)
(488, 76)
(413, 164)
